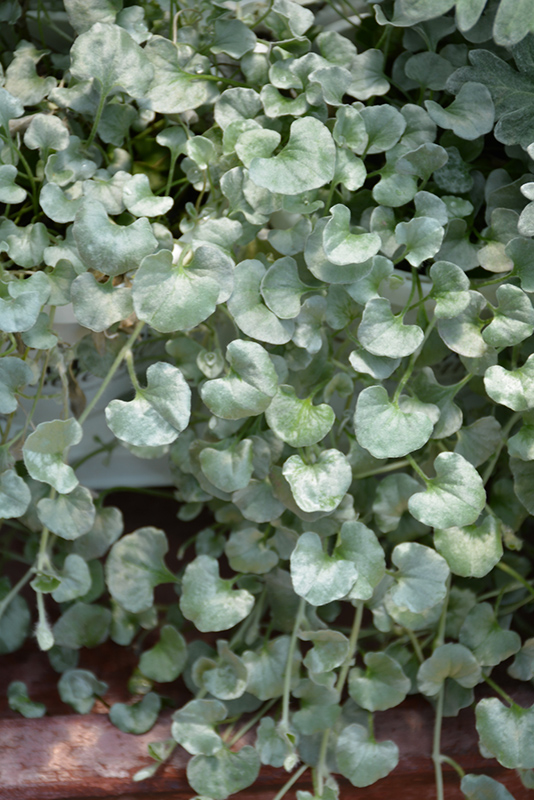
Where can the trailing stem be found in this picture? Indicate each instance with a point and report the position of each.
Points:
(436, 744)
(289, 665)
(340, 685)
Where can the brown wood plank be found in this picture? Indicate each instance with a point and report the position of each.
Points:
(55, 758)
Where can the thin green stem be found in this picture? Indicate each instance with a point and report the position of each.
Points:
(504, 567)
(436, 746)
(131, 370)
(454, 764)
(251, 722)
(289, 664)
(113, 369)
(293, 779)
(15, 590)
(340, 684)
(403, 462)
(96, 123)
(503, 694)
(416, 646)
(415, 466)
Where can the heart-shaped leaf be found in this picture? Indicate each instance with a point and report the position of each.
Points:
(514, 318)
(343, 247)
(306, 162)
(422, 238)
(298, 422)
(208, 600)
(450, 660)
(512, 388)
(384, 429)
(45, 450)
(318, 577)
(225, 678)
(68, 515)
(384, 334)
(75, 579)
(482, 633)
(471, 551)
(454, 498)
(224, 773)
(80, 688)
(82, 625)
(135, 567)
(19, 700)
(508, 733)
(158, 413)
(117, 248)
(137, 718)
(248, 310)
(193, 726)
(363, 760)
(247, 552)
(167, 658)
(470, 115)
(420, 582)
(482, 787)
(320, 486)
(383, 684)
(266, 667)
(359, 544)
(330, 650)
(15, 495)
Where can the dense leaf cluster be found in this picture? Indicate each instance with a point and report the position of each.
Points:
(295, 241)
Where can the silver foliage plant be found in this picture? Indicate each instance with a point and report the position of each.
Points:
(303, 235)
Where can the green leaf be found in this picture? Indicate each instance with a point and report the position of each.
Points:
(137, 718)
(514, 318)
(508, 733)
(448, 661)
(470, 115)
(140, 201)
(482, 787)
(247, 551)
(75, 579)
(298, 422)
(384, 334)
(10, 108)
(482, 633)
(363, 760)
(522, 667)
(454, 498)
(256, 143)
(383, 684)
(391, 500)
(266, 668)
(521, 251)
(15, 495)
(323, 269)
(190, 292)
(230, 468)
(306, 162)
(193, 726)
(422, 238)
(224, 773)
(513, 21)
(249, 387)
(45, 451)
(431, 393)
(422, 161)
(343, 247)
(257, 502)
(471, 551)
(281, 287)
(248, 310)
(320, 486)
(208, 600)
(384, 429)
(384, 125)
(379, 367)
(14, 622)
(82, 625)
(523, 472)
(512, 388)
(82, 17)
(80, 688)
(97, 306)
(20, 310)
(135, 567)
(428, 70)
(109, 55)
(225, 678)
(233, 38)
(420, 582)
(117, 248)
(330, 650)
(19, 700)
(15, 374)
(9, 191)
(461, 333)
(68, 515)
(158, 413)
(106, 529)
(176, 87)
(167, 658)
(477, 442)
(273, 744)
(317, 576)
(368, 79)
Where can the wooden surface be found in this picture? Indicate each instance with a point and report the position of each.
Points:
(66, 755)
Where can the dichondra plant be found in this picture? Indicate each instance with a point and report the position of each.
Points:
(296, 242)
